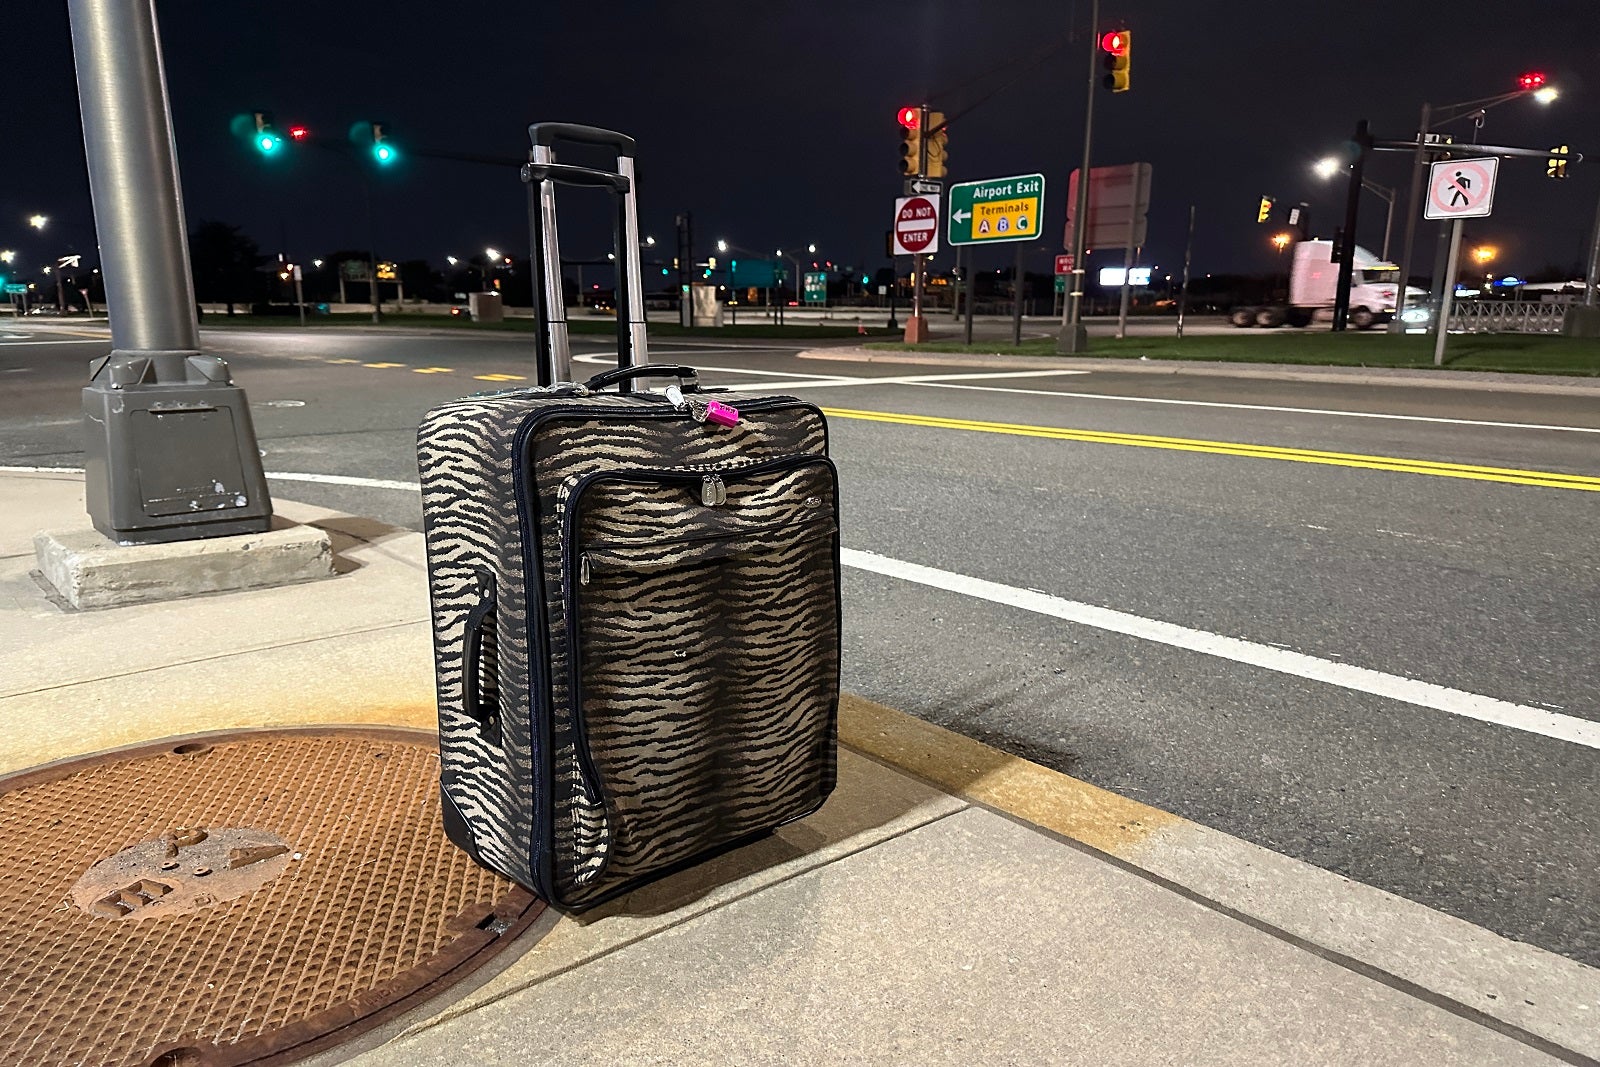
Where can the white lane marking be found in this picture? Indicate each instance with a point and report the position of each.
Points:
(1358, 679)
(953, 381)
(341, 479)
(1298, 664)
(80, 341)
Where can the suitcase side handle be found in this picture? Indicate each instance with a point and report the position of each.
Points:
(480, 626)
(566, 174)
(687, 375)
(550, 133)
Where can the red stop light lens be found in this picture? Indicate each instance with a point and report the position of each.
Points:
(1531, 80)
(298, 133)
(1114, 42)
(909, 117)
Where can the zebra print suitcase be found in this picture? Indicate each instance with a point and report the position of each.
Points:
(635, 601)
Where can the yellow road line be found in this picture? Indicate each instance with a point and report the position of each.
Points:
(500, 377)
(382, 366)
(1544, 479)
(431, 370)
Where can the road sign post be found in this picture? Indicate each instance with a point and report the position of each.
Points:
(916, 234)
(1457, 189)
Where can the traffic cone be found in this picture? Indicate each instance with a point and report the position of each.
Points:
(860, 329)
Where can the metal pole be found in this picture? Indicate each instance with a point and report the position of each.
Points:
(1016, 298)
(1188, 250)
(1074, 337)
(133, 177)
(1449, 294)
(133, 473)
(894, 289)
(1388, 222)
(961, 279)
(1592, 279)
(1129, 258)
(966, 285)
(299, 295)
(1352, 210)
(1413, 201)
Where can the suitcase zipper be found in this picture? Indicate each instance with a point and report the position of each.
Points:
(705, 472)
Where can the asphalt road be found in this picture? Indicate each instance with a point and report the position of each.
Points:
(1275, 575)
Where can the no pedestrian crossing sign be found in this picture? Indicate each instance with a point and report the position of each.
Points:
(916, 225)
(1461, 188)
(996, 209)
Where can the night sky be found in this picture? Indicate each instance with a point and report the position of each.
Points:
(774, 124)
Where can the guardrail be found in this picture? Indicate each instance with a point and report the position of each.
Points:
(1506, 316)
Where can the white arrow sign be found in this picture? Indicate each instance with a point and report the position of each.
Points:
(960, 216)
(68, 261)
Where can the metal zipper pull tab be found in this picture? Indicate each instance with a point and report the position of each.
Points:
(583, 569)
(675, 396)
(697, 408)
(712, 492)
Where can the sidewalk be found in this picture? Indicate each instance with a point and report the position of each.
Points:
(950, 904)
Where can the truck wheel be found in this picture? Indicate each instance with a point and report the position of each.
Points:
(1299, 318)
(1362, 318)
(1243, 317)
(1269, 318)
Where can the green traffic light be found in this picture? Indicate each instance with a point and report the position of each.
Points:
(268, 143)
(383, 154)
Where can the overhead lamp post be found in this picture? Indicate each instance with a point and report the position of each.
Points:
(1327, 167)
(38, 221)
(1529, 84)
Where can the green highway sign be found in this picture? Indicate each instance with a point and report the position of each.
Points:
(816, 287)
(15, 288)
(996, 209)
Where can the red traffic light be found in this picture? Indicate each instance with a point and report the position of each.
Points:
(909, 117)
(1534, 79)
(298, 133)
(1115, 42)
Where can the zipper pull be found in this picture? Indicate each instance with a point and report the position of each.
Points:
(698, 409)
(712, 492)
(583, 569)
(674, 396)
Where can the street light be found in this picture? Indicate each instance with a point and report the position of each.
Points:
(1329, 166)
(7, 256)
(1280, 241)
(1484, 253)
(38, 221)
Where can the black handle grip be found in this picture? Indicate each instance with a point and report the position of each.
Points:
(480, 621)
(549, 133)
(689, 376)
(570, 175)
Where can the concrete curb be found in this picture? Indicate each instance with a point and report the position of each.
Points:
(1491, 381)
(1536, 996)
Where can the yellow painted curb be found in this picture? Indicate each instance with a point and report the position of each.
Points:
(987, 776)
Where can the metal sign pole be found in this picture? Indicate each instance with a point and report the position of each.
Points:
(1449, 294)
(1413, 209)
(1074, 337)
(170, 452)
(1016, 298)
(1183, 294)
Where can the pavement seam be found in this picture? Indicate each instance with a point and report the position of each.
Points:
(234, 653)
(461, 1011)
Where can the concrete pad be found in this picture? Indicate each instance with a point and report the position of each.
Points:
(871, 804)
(969, 940)
(92, 571)
(382, 676)
(42, 646)
(33, 502)
(1526, 987)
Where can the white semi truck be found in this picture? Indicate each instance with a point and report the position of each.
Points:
(1313, 283)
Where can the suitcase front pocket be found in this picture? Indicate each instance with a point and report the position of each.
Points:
(702, 609)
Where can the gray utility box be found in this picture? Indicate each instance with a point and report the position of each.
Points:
(171, 461)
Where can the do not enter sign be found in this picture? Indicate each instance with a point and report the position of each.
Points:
(916, 225)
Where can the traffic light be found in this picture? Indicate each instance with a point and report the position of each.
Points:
(1118, 48)
(267, 140)
(382, 150)
(1264, 210)
(910, 119)
(937, 142)
(1534, 79)
(298, 134)
(1556, 165)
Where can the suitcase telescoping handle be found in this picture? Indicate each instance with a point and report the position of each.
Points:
(542, 175)
(688, 377)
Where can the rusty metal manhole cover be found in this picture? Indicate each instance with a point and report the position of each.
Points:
(230, 899)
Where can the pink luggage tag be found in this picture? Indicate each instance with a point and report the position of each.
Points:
(721, 414)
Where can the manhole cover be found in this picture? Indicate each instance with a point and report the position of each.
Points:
(233, 899)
